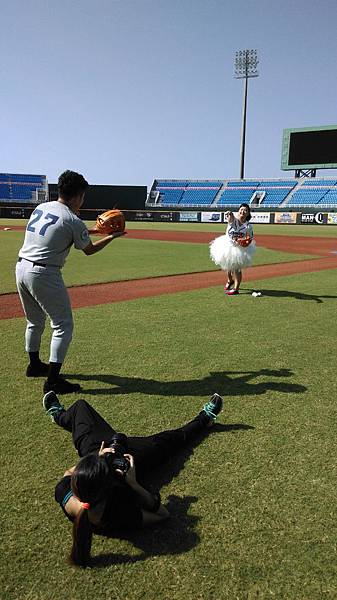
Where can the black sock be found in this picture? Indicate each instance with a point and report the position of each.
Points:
(34, 358)
(54, 371)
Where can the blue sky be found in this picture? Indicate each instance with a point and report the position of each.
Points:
(125, 91)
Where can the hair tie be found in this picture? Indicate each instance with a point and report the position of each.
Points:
(85, 505)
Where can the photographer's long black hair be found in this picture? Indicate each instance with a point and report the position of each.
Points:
(89, 483)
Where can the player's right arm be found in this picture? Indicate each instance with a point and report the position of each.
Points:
(94, 247)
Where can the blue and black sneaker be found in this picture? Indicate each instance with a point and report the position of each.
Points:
(52, 405)
(213, 408)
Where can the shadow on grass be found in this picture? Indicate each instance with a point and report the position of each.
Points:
(177, 535)
(298, 295)
(226, 383)
(165, 473)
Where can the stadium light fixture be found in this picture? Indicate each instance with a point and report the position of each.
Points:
(246, 62)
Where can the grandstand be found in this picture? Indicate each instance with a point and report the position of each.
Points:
(294, 194)
(22, 189)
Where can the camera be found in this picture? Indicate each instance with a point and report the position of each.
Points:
(119, 444)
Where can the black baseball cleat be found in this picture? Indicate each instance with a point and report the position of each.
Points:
(52, 405)
(61, 386)
(213, 408)
(39, 369)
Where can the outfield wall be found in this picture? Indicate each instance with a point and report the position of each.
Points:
(170, 216)
(270, 218)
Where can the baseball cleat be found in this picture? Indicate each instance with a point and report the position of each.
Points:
(38, 370)
(61, 386)
(232, 292)
(52, 405)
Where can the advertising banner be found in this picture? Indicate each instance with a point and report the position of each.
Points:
(20, 212)
(16, 212)
(285, 217)
(189, 217)
(156, 215)
(307, 218)
(211, 217)
(332, 218)
(313, 218)
(260, 217)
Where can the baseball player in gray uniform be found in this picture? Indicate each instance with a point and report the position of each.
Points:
(51, 231)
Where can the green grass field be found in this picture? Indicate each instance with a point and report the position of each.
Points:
(253, 506)
(126, 259)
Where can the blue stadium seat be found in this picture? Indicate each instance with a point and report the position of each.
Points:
(4, 190)
(170, 197)
(233, 197)
(204, 193)
(197, 197)
(244, 183)
(20, 188)
(316, 182)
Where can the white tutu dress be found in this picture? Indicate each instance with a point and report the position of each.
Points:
(229, 255)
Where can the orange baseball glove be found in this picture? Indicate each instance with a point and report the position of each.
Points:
(111, 221)
(244, 241)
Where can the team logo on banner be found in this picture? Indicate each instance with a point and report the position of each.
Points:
(286, 217)
(211, 217)
(319, 218)
(315, 218)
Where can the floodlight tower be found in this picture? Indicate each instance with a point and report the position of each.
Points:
(246, 62)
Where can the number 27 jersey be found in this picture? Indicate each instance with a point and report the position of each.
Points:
(51, 231)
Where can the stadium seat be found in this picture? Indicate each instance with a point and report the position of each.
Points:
(20, 188)
(217, 194)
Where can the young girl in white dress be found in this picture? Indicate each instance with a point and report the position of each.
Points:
(234, 250)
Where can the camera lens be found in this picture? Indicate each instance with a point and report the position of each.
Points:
(119, 445)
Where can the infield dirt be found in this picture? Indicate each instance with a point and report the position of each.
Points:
(105, 293)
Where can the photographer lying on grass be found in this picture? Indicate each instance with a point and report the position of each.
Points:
(101, 493)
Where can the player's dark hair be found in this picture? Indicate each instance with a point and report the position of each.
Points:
(71, 184)
(245, 205)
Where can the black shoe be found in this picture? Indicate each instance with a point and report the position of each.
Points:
(40, 369)
(61, 386)
(52, 405)
(213, 408)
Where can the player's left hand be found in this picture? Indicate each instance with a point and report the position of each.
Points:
(118, 234)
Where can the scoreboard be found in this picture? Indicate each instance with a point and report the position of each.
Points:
(309, 148)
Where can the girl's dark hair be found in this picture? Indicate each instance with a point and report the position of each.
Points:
(71, 184)
(82, 538)
(245, 205)
(89, 482)
(94, 481)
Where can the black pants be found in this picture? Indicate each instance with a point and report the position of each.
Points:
(89, 429)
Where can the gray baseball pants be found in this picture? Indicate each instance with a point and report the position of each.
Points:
(43, 293)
